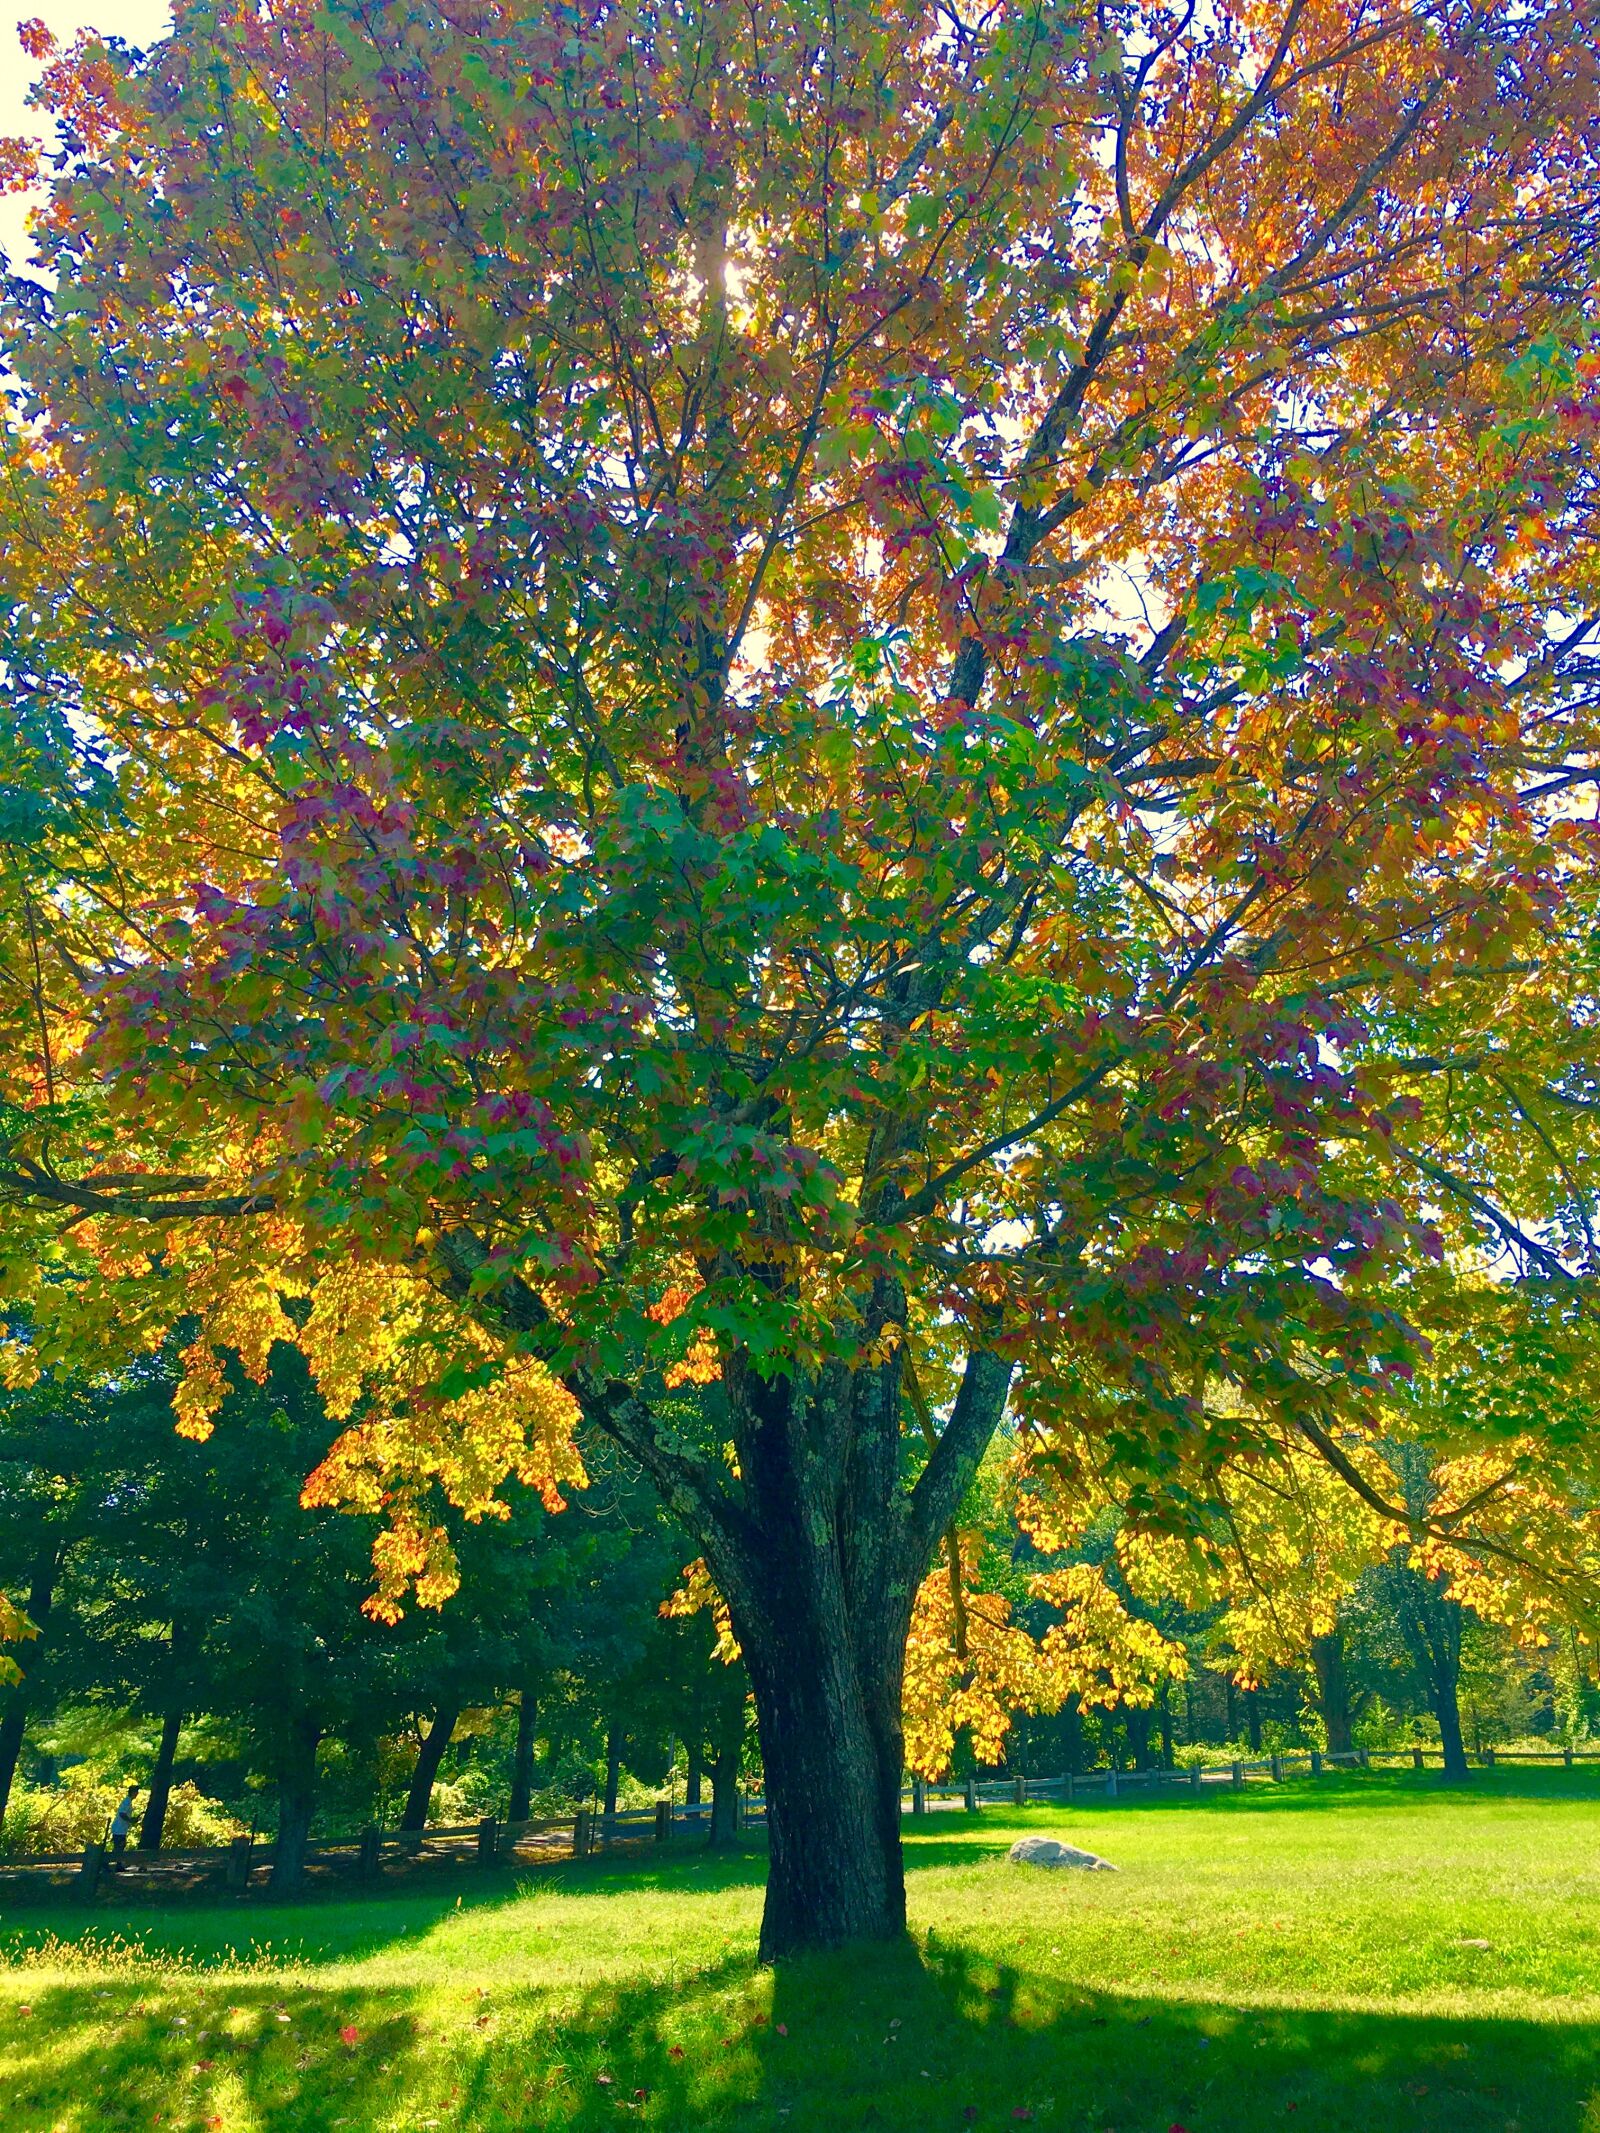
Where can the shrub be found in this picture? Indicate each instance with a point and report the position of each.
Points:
(78, 1811)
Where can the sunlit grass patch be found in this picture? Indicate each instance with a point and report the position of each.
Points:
(1379, 1955)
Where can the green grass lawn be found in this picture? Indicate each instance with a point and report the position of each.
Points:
(1372, 1955)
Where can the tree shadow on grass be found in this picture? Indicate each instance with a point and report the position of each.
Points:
(897, 2040)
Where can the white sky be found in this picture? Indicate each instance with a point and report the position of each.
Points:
(139, 21)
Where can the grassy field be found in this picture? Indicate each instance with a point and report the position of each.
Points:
(1374, 1955)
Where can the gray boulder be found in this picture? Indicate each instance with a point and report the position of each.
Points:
(1045, 1851)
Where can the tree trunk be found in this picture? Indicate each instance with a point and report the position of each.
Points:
(11, 1731)
(522, 1756)
(827, 1697)
(429, 1756)
(1136, 1723)
(1072, 1711)
(819, 1551)
(614, 1739)
(691, 1789)
(1444, 1686)
(725, 1760)
(1333, 1690)
(297, 1801)
(819, 1560)
(155, 1812)
(1164, 1713)
(41, 1594)
(1252, 1712)
(1430, 1622)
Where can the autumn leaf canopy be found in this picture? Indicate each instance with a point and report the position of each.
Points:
(704, 693)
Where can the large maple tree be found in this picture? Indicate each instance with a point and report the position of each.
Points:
(760, 725)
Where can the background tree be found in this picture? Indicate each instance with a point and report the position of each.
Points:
(785, 690)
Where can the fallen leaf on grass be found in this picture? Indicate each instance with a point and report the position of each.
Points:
(782, 2028)
(604, 2080)
(350, 2034)
(675, 2051)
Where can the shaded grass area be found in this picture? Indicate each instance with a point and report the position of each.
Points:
(1371, 1953)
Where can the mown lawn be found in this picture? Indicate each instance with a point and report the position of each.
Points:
(1372, 1955)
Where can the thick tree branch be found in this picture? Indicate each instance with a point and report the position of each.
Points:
(944, 1481)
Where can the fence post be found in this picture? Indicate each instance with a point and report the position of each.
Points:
(972, 1796)
(1194, 1778)
(1364, 1758)
(1566, 1758)
(1277, 1769)
(581, 1833)
(1237, 1774)
(1072, 1787)
(1416, 1758)
(94, 1861)
(366, 1858)
(1488, 1758)
(663, 1820)
(1111, 1784)
(488, 1840)
(919, 1796)
(1316, 1762)
(1021, 1789)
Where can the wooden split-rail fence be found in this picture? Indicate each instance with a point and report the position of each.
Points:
(1133, 1784)
(247, 1863)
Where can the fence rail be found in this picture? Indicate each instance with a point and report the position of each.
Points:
(246, 1864)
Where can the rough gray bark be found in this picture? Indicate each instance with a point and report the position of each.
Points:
(821, 1609)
